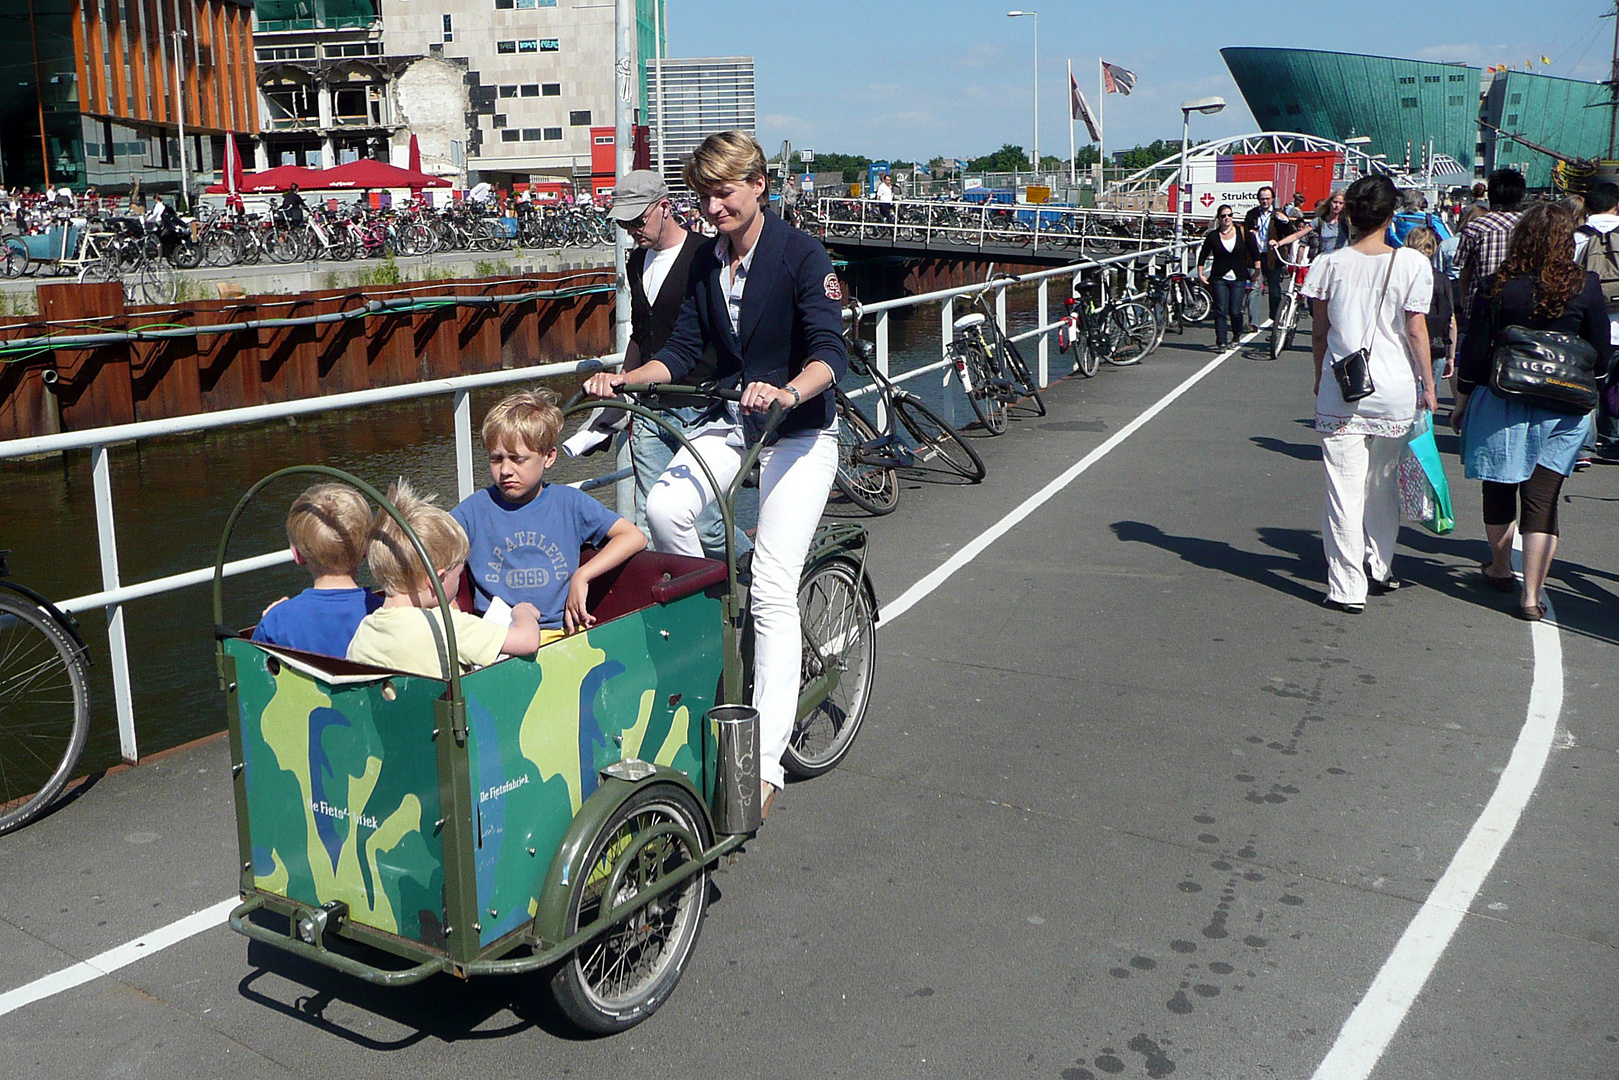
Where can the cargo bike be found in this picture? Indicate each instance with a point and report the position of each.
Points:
(554, 815)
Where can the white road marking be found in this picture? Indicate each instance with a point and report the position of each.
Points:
(122, 956)
(916, 593)
(1378, 1017)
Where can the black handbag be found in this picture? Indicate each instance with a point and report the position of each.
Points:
(1543, 367)
(1354, 372)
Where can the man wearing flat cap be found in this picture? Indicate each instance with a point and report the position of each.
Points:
(658, 271)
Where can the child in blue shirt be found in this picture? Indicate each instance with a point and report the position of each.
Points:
(327, 528)
(525, 534)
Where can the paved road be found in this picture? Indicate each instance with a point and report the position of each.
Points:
(1129, 802)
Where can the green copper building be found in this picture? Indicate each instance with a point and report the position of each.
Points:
(1399, 104)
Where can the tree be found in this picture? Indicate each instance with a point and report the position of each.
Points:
(1008, 158)
(852, 166)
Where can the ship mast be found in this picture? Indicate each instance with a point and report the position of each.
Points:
(1613, 83)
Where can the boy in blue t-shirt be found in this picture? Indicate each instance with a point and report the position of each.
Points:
(525, 533)
(327, 528)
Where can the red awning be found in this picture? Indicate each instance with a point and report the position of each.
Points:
(370, 173)
(277, 179)
(365, 173)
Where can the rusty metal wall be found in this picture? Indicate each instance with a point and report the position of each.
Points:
(75, 389)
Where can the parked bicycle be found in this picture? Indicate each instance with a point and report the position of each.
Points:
(992, 372)
(1097, 327)
(44, 700)
(904, 435)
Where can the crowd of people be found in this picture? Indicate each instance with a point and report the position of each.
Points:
(1514, 304)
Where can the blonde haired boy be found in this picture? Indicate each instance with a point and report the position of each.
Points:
(407, 632)
(525, 533)
(327, 528)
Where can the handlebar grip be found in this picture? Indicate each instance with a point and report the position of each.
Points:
(578, 396)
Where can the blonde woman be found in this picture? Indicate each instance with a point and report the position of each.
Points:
(764, 296)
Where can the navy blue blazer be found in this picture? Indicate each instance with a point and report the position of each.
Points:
(791, 314)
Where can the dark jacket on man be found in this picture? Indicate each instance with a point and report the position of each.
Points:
(1280, 229)
(651, 323)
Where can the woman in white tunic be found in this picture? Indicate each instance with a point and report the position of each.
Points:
(1372, 296)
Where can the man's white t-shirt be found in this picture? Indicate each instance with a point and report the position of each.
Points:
(884, 192)
(657, 268)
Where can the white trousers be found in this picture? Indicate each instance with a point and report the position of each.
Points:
(1361, 518)
(795, 476)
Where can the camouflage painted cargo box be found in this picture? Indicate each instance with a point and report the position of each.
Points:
(356, 786)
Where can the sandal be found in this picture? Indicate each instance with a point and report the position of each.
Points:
(1531, 614)
(1499, 584)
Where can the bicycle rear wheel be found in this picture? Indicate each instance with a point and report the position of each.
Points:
(870, 486)
(1195, 301)
(44, 710)
(986, 400)
(1133, 331)
(936, 440)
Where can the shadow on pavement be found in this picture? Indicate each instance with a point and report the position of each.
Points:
(1294, 574)
(1301, 451)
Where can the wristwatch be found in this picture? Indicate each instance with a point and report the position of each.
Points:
(798, 399)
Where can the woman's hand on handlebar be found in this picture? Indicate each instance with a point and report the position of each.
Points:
(760, 396)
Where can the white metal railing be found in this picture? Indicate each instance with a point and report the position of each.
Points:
(1037, 226)
(115, 593)
(1044, 323)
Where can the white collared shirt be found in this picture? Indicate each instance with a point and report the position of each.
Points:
(733, 284)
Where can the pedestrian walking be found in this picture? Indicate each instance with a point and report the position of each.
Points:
(1522, 448)
(1331, 226)
(1369, 305)
(1484, 240)
(1441, 309)
(1225, 248)
(1266, 229)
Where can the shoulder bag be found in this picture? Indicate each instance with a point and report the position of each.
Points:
(1542, 367)
(1354, 372)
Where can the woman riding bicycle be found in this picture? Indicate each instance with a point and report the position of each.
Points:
(764, 296)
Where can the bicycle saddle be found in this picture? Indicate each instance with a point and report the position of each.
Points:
(968, 321)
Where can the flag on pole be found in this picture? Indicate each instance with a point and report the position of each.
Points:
(1080, 109)
(1117, 80)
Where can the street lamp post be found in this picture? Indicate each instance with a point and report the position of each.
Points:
(1208, 106)
(180, 117)
(1034, 155)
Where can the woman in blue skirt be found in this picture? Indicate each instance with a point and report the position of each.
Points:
(1520, 450)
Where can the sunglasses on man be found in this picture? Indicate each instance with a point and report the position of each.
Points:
(640, 222)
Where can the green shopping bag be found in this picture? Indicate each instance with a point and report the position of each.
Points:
(1424, 492)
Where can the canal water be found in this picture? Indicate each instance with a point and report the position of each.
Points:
(172, 496)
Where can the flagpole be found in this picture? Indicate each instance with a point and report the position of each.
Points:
(1070, 123)
(1101, 128)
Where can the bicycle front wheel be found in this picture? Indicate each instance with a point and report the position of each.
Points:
(936, 440)
(840, 637)
(1281, 329)
(871, 486)
(44, 710)
(1019, 370)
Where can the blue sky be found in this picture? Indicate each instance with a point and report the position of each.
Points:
(952, 77)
